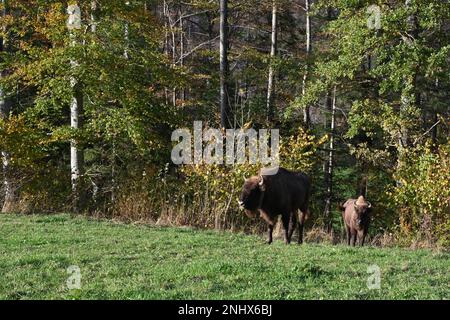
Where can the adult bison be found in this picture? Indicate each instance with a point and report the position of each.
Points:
(356, 215)
(283, 193)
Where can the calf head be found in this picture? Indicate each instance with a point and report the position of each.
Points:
(362, 211)
(251, 195)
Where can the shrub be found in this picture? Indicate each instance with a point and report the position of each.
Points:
(422, 194)
(206, 195)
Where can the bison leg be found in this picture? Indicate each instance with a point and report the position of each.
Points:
(300, 233)
(292, 225)
(348, 235)
(270, 232)
(301, 222)
(363, 238)
(285, 220)
(354, 235)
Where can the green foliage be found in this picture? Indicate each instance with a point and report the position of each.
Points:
(423, 192)
(212, 191)
(389, 82)
(124, 118)
(299, 151)
(146, 70)
(25, 144)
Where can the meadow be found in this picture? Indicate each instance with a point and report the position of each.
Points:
(136, 261)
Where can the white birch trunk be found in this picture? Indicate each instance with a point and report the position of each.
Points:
(5, 111)
(182, 45)
(225, 111)
(76, 155)
(76, 158)
(273, 53)
(306, 111)
(330, 165)
(126, 36)
(93, 17)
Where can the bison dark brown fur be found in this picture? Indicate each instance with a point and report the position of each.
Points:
(284, 193)
(356, 214)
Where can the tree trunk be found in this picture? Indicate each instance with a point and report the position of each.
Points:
(330, 166)
(76, 153)
(169, 39)
(126, 38)
(174, 54)
(362, 189)
(306, 111)
(182, 49)
(409, 97)
(225, 110)
(93, 16)
(434, 131)
(166, 41)
(5, 111)
(273, 53)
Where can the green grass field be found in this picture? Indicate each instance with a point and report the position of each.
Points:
(119, 261)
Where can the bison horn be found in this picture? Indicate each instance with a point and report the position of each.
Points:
(261, 180)
(261, 184)
(369, 205)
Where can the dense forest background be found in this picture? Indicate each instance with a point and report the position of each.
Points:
(358, 89)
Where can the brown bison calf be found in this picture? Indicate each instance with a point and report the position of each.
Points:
(356, 215)
(284, 193)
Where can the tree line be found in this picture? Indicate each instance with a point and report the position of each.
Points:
(90, 92)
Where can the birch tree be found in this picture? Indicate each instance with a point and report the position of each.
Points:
(5, 110)
(126, 35)
(225, 110)
(306, 111)
(330, 164)
(273, 53)
(93, 16)
(76, 109)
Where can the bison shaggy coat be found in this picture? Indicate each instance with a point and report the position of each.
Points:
(285, 193)
(356, 215)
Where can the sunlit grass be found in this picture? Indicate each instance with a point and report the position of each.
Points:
(119, 261)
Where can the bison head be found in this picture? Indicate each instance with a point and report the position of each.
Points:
(251, 195)
(362, 210)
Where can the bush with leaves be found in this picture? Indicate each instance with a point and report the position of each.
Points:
(210, 192)
(422, 194)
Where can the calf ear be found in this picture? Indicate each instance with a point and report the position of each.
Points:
(343, 205)
(262, 184)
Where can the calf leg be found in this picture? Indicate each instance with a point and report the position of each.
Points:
(348, 235)
(353, 235)
(270, 233)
